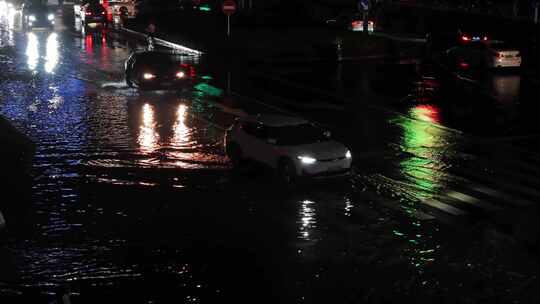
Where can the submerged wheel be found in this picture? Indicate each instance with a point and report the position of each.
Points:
(235, 155)
(287, 172)
(128, 81)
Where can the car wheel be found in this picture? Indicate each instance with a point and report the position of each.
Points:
(128, 81)
(235, 155)
(287, 172)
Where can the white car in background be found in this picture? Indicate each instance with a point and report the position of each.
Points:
(484, 54)
(293, 146)
(503, 55)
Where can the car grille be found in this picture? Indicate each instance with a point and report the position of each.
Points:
(331, 159)
(329, 173)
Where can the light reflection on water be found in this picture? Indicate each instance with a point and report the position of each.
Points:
(307, 220)
(51, 51)
(425, 145)
(148, 137)
(7, 23)
(32, 51)
(52, 54)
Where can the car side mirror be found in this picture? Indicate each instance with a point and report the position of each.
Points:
(327, 134)
(271, 141)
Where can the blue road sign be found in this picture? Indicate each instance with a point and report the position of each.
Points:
(363, 5)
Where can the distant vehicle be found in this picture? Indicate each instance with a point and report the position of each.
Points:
(479, 55)
(37, 15)
(350, 21)
(93, 13)
(292, 146)
(157, 70)
(502, 54)
(125, 8)
(440, 40)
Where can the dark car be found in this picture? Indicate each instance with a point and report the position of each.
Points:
(93, 13)
(37, 15)
(441, 39)
(157, 70)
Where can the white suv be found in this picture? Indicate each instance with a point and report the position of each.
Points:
(293, 146)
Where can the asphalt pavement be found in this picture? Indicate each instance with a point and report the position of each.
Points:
(133, 199)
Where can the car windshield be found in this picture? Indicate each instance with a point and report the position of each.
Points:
(297, 135)
(38, 7)
(156, 59)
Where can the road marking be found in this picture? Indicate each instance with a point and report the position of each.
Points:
(505, 184)
(397, 206)
(516, 201)
(437, 204)
(462, 197)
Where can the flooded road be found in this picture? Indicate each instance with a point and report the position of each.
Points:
(132, 198)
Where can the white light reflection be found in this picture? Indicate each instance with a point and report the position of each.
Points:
(181, 131)
(51, 58)
(52, 53)
(148, 137)
(307, 220)
(348, 207)
(32, 51)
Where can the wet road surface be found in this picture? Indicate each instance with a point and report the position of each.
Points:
(132, 198)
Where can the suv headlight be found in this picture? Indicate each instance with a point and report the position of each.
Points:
(50, 17)
(149, 76)
(307, 160)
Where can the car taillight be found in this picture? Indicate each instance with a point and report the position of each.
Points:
(465, 38)
(180, 74)
(103, 13)
(88, 13)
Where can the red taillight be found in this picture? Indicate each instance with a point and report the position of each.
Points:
(465, 38)
(463, 65)
(88, 13)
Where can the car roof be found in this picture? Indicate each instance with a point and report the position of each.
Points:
(275, 120)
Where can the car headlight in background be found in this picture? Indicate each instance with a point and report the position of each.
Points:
(307, 160)
(180, 74)
(50, 17)
(149, 76)
(32, 18)
(348, 154)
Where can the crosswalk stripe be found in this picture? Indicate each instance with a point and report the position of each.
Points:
(528, 167)
(395, 205)
(505, 184)
(521, 176)
(437, 204)
(517, 201)
(470, 200)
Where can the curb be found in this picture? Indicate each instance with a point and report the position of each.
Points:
(399, 38)
(163, 42)
(177, 46)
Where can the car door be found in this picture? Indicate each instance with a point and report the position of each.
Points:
(254, 142)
